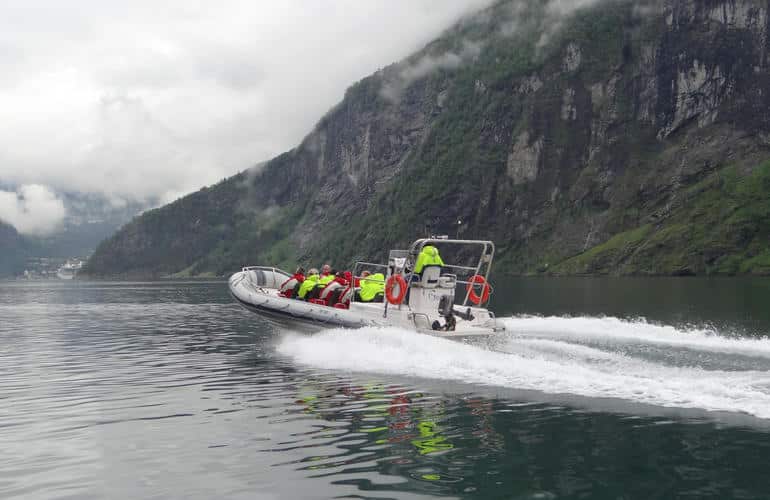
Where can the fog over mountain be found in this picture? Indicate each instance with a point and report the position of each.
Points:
(143, 102)
(34, 209)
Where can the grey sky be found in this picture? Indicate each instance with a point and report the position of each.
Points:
(144, 99)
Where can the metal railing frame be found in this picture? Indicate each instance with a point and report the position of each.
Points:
(274, 270)
(487, 254)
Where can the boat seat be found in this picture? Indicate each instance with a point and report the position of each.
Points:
(318, 302)
(341, 306)
(447, 281)
(430, 276)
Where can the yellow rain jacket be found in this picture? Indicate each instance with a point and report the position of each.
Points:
(428, 257)
(307, 285)
(371, 286)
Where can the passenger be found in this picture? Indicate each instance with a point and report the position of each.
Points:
(346, 295)
(332, 291)
(327, 278)
(326, 270)
(323, 281)
(372, 288)
(290, 286)
(349, 292)
(308, 284)
(428, 257)
(355, 286)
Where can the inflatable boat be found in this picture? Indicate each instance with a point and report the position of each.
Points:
(446, 300)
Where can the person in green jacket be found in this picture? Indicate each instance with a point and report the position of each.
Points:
(308, 285)
(428, 257)
(320, 285)
(372, 288)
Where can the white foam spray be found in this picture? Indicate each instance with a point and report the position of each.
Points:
(577, 356)
(609, 330)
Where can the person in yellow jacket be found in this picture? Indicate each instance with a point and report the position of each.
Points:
(311, 280)
(429, 256)
(372, 288)
(320, 285)
(325, 280)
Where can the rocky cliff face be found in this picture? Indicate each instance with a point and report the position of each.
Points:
(624, 137)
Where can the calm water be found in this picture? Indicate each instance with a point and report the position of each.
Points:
(603, 388)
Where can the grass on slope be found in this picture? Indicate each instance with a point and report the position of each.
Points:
(722, 227)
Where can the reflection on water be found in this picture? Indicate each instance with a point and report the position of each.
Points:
(169, 390)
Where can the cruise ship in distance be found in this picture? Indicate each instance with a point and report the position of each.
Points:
(69, 269)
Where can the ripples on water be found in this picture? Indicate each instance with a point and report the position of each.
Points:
(171, 391)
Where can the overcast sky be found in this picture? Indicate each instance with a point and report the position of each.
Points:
(146, 99)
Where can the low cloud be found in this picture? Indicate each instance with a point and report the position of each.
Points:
(515, 16)
(558, 11)
(515, 11)
(428, 64)
(143, 101)
(248, 203)
(33, 209)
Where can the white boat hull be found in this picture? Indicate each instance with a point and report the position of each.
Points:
(260, 295)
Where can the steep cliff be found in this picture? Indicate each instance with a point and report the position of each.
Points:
(621, 137)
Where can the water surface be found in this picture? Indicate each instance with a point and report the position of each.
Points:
(602, 388)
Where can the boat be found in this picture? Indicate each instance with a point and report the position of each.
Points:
(444, 300)
(69, 269)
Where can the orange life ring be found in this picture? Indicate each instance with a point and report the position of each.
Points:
(485, 290)
(390, 285)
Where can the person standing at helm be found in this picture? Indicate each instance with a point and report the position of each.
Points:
(309, 284)
(428, 257)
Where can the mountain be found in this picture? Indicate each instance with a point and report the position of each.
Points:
(89, 220)
(605, 137)
(13, 250)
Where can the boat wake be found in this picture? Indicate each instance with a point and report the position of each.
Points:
(637, 361)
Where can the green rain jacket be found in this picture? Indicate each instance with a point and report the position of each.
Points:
(307, 285)
(371, 286)
(428, 257)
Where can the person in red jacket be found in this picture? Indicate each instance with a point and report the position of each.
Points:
(290, 286)
(342, 277)
(332, 291)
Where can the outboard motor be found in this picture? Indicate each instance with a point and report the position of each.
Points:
(467, 316)
(446, 309)
(445, 305)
